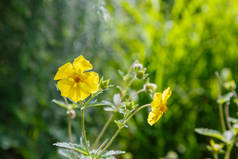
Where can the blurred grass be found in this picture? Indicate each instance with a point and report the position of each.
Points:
(182, 43)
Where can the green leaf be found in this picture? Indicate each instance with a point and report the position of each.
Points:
(211, 133)
(68, 154)
(60, 103)
(233, 120)
(74, 147)
(227, 97)
(113, 152)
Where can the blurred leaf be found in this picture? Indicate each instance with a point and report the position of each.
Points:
(74, 147)
(60, 103)
(113, 152)
(211, 133)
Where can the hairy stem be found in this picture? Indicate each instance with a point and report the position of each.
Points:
(119, 129)
(84, 132)
(220, 105)
(103, 130)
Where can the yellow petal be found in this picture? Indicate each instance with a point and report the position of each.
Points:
(92, 81)
(157, 100)
(154, 116)
(64, 71)
(166, 94)
(70, 89)
(81, 64)
(65, 86)
(77, 94)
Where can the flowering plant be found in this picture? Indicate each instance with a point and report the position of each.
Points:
(80, 87)
(228, 136)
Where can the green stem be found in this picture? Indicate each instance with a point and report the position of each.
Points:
(69, 128)
(84, 132)
(228, 151)
(227, 115)
(222, 118)
(94, 105)
(220, 105)
(123, 94)
(119, 129)
(127, 87)
(101, 146)
(215, 156)
(103, 130)
(70, 132)
(110, 142)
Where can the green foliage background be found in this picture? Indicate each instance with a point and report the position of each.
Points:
(182, 43)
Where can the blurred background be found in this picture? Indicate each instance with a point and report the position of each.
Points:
(182, 43)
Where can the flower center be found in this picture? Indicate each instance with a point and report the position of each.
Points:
(77, 79)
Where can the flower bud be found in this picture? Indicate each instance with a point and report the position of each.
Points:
(71, 113)
(140, 74)
(217, 148)
(230, 85)
(130, 104)
(137, 66)
(104, 84)
(150, 87)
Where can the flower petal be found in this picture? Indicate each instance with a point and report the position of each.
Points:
(154, 116)
(166, 94)
(77, 94)
(65, 86)
(92, 81)
(81, 64)
(64, 71)
(157, 100)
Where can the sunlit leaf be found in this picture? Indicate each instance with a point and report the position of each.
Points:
(74, 147)
(211, 133)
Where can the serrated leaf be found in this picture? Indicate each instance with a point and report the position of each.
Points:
(74, 147)
(68, 154)
(210, 132)
(113, 152)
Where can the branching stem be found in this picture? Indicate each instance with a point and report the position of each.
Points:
(119, 129)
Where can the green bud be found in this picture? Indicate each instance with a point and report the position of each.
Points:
(104, 84)
(215, 147)
(130, 104)
(226, 74)
(137, 66)
(150, 87)
(140, 74)
(230, 85)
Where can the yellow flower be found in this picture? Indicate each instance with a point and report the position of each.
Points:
(74, 82)
(158, 106)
